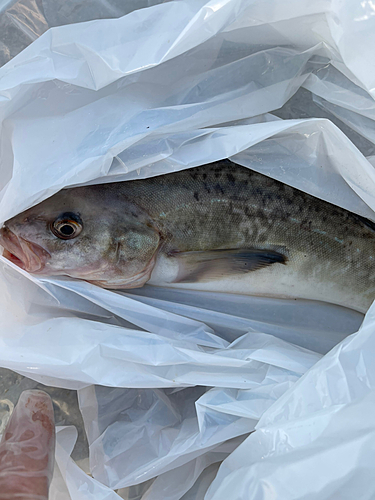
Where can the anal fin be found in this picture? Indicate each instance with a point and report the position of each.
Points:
(211, 265)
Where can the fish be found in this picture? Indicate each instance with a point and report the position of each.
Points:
(219, 227)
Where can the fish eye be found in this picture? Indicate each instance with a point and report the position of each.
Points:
(67, 226)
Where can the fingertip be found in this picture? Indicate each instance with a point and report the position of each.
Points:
(39, 408)
(32, 414)
(36, 399)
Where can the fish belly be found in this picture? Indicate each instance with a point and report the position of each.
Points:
(277, 281)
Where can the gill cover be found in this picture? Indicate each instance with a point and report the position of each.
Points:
(133, 255)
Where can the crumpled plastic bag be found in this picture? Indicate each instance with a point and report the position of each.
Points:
(317, 437)
(160, 89)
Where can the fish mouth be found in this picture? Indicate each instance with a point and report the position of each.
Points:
(23, 253)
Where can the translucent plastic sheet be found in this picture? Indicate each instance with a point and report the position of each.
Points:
(159, 89)
(23, 21)
(319, 433)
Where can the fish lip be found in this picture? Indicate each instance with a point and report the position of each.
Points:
(13, 258)
(23, 253)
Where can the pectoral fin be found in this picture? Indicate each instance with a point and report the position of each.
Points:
(217, 264)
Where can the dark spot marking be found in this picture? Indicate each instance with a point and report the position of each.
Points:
(219, 188)
(196, 195)
(306, 224)
(134, 215)
(205, 185)
(231, 178)
(204, 177)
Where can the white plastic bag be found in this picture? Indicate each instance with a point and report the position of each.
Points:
(318, 437)
(164, 88)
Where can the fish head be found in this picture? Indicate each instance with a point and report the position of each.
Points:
(88, 233)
